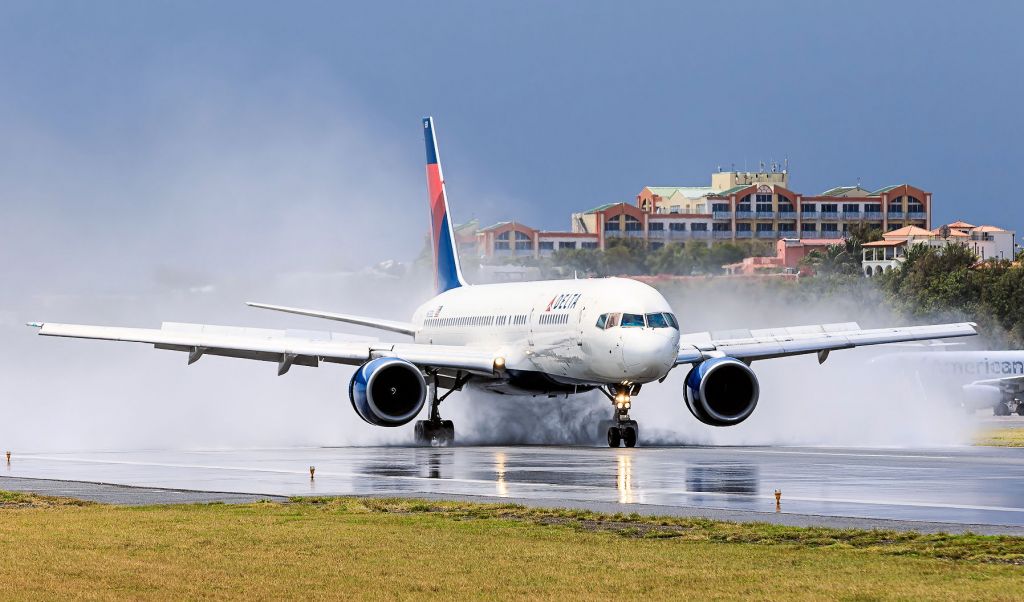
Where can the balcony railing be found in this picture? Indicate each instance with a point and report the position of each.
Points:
(917, 215)
(895, 215)
(722, 214)
(829, 215)
(678, 234)
(744, 215)
(851, 214)
(809, 214)
(872, 215)
(764, 214)
(830, 234)
(721, 234)
(700, 234)
(766, 234)
(743, 234)
(787, 215)
(656, 233)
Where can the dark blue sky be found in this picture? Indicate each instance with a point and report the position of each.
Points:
(542, 108)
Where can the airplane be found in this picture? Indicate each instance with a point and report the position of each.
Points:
(983, 379)
(553, 338)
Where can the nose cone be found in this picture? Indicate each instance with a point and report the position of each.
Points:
(649, 353)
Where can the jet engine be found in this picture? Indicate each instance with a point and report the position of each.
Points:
(387, 391)
(721, 391)
(981, 396)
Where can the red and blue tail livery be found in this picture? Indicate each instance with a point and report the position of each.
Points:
(447, 272)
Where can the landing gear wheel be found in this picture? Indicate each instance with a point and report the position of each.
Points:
(629, 436)
(437, 434)
(613, 436)
(1001, 409)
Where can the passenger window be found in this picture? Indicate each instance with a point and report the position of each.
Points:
(632, 320)
(601, 321)
(657, 321)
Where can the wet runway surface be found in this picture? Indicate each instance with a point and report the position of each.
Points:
(978, 489)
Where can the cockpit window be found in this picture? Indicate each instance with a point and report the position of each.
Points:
(601, 321)
(613, 320)
(657, 321)
(632, 320)
(672, 320)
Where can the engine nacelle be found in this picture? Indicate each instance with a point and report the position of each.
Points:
(721, 391)
(387, 391)
(977, 397)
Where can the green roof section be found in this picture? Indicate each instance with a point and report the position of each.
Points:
(493, 226)
(734, 189)
(886, 189)
(690, 192)
(473, 224)
(603, 207)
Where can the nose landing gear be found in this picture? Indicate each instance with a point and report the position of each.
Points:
(621, 429)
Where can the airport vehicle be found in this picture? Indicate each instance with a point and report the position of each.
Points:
(984, 379)
(542, 338)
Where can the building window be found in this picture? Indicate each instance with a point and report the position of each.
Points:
(851, 208)
(830, 208)
(632, 224)
(873, 208)
(914, 205)
(720, 207)
(808, 207)
(699, 227)
(764, 207)
(806, 227)
(566, 245)
(764, 227)
(785, 205)
(787, 227)
(677, 226)
(830, 227)
(763, 198)
(656, 225)
(523, 242)
(588, 245)
(740, 227)
(657, 245)
(612, 225)
(501, 242)
(721, 227)
(674, 209)
(547, 245)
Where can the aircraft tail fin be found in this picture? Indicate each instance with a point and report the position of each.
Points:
(447, 271)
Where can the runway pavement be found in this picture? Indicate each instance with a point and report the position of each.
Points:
(959, 489)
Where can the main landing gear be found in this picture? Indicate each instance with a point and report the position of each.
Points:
(1009, 406)
(621, 430)
(433, 431)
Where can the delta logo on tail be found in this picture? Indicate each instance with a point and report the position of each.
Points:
(447, 272)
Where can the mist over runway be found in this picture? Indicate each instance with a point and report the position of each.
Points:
(954, 489)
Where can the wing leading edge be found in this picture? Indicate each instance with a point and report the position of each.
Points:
(280, 346)
(391, 325)
(820, 339)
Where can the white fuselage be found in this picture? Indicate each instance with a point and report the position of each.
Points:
(551, 328)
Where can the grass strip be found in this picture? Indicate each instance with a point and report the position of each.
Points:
(370, 548)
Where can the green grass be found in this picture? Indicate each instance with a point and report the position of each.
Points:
(1002, 437)
(413, 549)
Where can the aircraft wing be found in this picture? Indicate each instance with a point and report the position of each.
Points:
(283, 347)
(392, 325)
(1006, 381)
(749, 345)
